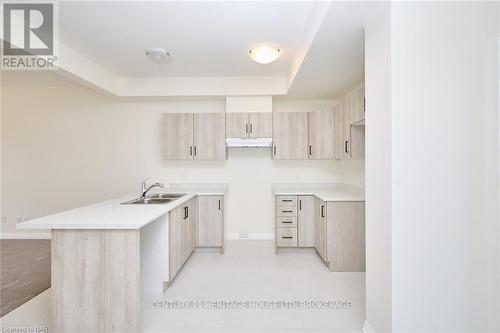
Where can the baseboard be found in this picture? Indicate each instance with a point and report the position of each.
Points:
(251, 237)
(24, 235)
(367, 328)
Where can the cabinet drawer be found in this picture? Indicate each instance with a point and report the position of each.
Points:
(286, 237)
(286, 200)
(286, 211)
(286, 222)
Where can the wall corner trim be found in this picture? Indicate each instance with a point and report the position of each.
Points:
(367, 328)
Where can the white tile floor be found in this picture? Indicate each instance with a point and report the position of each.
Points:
(249, 271)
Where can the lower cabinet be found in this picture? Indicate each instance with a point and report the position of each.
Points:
(320, 227)
(345, 236)
(294, 221)
(181, 237)
(209, 221)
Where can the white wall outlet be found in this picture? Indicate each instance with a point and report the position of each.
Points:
(21, 219)
(243, 234)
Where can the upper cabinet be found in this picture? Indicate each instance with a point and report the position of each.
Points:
(199, 136)
(321, 135)
(249, 125)
(349, 128)
(357, 105)
(290, 136)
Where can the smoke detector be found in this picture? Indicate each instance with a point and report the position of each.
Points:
(158, 55)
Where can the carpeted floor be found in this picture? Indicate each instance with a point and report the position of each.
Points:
(24, 271)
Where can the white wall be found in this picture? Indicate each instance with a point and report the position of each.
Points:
(445, 166)
(378, 172)
(65, 146)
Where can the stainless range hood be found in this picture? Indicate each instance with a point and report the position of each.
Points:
(249, 142)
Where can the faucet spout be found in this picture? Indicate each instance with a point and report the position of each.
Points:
(145, 189)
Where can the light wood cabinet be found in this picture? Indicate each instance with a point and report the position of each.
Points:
(357, 105)
(345, 236)
(260, 124)
(181, 237)
(177, 136)
(199, 136)
(349, 139)
(290, 135)
(320, 227)
(209, 136)
(305, 221)
(209, 220)
(249, 125)
(321, 135)
(237, 125)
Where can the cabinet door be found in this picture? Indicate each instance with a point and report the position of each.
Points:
(338, 130)
(346, 128)
(321, 135)
(345, 242)
(305, 220)
(209, 220)
(290, 135)
(177, 136)
(261, 125)
(237, 125)
(357, 105)
(321, 229)
(209, 136)
(189, 222)
(176, 243)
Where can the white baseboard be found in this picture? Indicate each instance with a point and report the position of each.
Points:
(367, 328)
(24, 235)
(251, 237)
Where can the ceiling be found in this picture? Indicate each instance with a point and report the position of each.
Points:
(102, 45)
(207, 39)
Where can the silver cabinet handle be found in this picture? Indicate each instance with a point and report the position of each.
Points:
(286, 237)
(246, 128)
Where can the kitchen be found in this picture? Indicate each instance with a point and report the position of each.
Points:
(272, 154)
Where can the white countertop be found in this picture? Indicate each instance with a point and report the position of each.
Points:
(111, 214)
(325, 192)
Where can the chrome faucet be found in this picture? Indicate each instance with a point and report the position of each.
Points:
(145, 189)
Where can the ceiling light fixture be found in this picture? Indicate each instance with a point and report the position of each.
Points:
(264, 54)
(158, 55)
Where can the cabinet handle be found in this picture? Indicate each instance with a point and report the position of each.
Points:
(300, 204)
(310, 150)
(219, 204)
(190, 150)
(364, 104)
(322, 211)
(287, 222)
(195, 150)
(251, 128)
(274, 150)
(287, 211)
(346, 149)
(185, 212)
(246, 128)
(286, 237)
(287, 200)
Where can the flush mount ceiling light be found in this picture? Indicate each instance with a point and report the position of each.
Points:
(158, 55)
(264, 54)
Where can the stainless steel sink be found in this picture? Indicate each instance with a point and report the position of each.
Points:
(166, 195)
(155, 199)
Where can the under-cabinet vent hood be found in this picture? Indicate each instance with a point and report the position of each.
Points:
(249, 142)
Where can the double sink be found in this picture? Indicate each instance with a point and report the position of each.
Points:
(155, 199)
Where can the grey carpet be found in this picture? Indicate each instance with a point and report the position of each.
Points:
(25, 271)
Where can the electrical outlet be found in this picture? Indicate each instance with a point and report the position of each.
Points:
(21, 219)
(4, 219)
(243, 234)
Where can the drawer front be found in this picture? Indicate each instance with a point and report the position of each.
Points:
(286, 211)
(286, 222)
(286, 237)
(286, 200)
